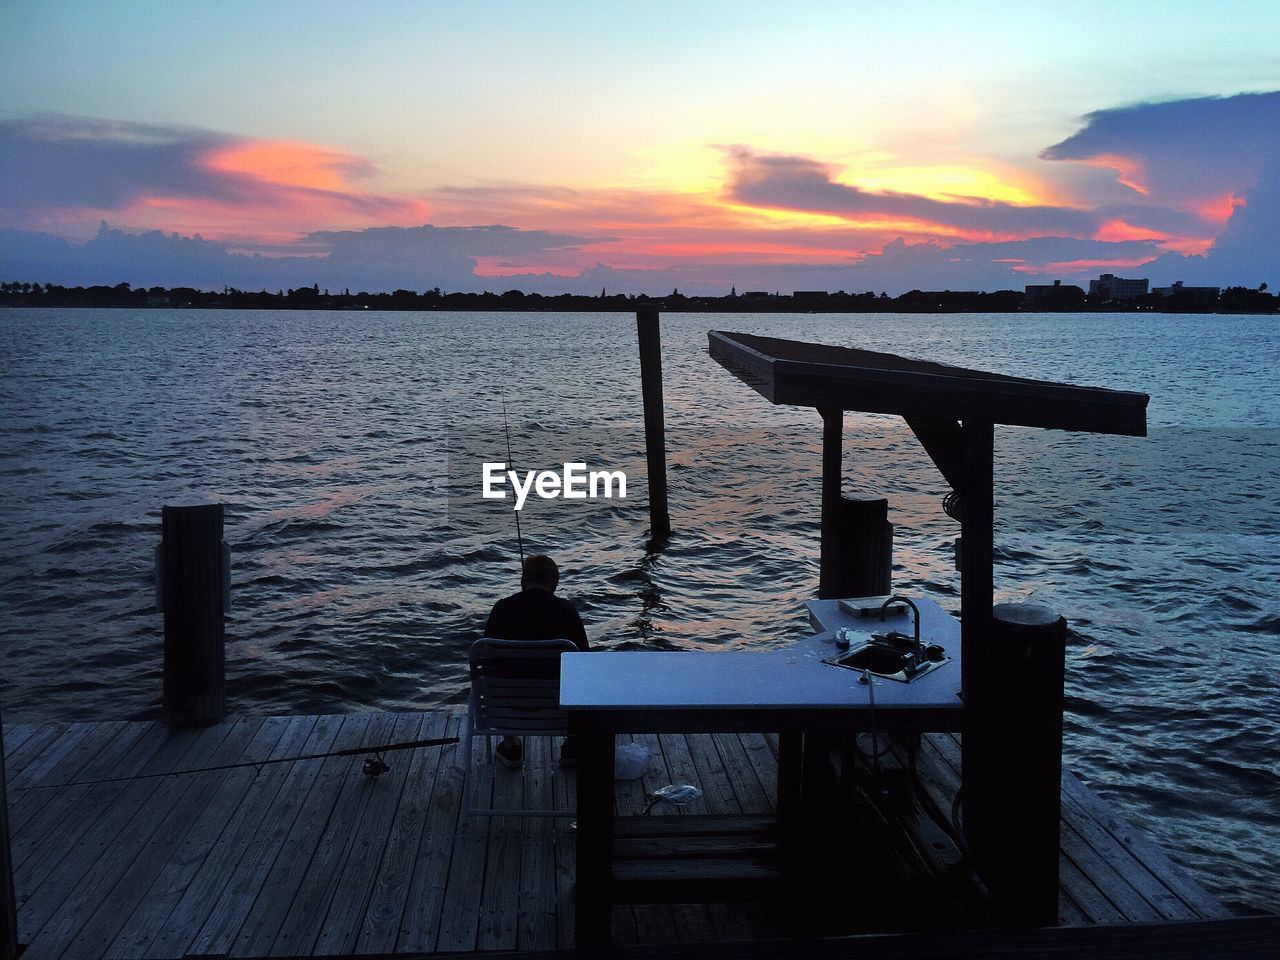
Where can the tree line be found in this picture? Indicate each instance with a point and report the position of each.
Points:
(23, 294)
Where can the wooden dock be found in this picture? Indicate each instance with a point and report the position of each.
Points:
(313, 858)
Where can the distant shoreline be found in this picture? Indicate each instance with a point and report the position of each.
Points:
(1233, 300)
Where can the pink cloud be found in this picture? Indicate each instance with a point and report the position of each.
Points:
(65, 174)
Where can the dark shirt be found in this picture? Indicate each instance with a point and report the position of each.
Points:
(536, 614)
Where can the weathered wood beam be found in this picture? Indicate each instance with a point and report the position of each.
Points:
(822, 376)
(943, 439)
(910, 395)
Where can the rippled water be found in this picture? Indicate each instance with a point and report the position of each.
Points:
(343, 446)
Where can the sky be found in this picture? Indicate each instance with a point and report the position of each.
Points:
(580, 146)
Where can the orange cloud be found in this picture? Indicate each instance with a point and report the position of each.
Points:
(1079, 266)
(1118, 230)
(1130, 171)
(1219, 209)
(288, 163)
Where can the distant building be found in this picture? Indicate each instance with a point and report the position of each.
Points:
(1110, 287)
(1181, 290)
(1052, 294)
(757, 295)
(809, 295)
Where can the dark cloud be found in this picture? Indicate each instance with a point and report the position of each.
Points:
(381, 258)
(448, 254)
(904, 266)
(1191, 152)
(1246, 253)
(403, 244)
(54, 163)
(1184, 149)
(61, 162)
(424, 257)
(801, 183)
(144, 259)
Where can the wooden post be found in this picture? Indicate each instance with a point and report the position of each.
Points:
(977, 531)
(194, 638)
(856, 554)
(832, 475)
(977, 585)
(655, 441)
(593, 872)
(1013, 794)
(8, 896)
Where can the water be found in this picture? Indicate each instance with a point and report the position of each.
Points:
(364, 564)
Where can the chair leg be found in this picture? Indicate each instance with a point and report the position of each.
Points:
(467, 790)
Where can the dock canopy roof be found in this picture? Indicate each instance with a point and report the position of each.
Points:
(842, 378)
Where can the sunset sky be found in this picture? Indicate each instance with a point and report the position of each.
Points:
(572, 146)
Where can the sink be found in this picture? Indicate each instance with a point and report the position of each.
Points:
(877, 658)
(885, 659)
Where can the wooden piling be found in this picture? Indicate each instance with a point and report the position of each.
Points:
(8, 896)
(977, 586)
(194, 637)
(1013, 763)
(655, 442)
(856, 554)
(977, 532)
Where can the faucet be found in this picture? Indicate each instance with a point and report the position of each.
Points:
(918, 649)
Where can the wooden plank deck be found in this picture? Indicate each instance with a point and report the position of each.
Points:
(312, 858)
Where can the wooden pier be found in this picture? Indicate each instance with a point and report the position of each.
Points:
(313, 858)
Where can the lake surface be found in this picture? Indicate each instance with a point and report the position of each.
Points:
(345, 447)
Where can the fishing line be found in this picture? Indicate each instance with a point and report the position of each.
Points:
(374, 763)
(506, 426)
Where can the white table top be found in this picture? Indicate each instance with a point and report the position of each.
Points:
(788, 679)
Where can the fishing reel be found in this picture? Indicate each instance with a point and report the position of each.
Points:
(375, 766)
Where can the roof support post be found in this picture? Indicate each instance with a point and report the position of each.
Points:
(977, 586)
(977, 531)
(832, 453)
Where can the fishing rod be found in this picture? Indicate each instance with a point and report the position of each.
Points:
(506, 426)
(373, 767)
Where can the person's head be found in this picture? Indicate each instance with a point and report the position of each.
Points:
(540, 572)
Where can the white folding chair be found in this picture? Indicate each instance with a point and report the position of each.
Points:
(515, 691)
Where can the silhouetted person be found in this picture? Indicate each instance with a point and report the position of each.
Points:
(536, 613)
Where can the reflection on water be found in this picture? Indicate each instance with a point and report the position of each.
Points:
(362, 572)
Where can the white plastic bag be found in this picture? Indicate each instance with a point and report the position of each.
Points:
(676, 794)
(631, 760)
